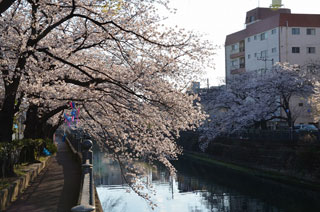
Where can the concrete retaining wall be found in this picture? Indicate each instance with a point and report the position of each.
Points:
(10, 194)
(299, 161)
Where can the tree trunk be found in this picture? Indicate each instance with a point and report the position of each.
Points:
(33, 127)
(261, 125)
(5, 4)
(8, 110)
(51, 129)
(289, 120)
(38, 127)
(264, 125)
(6, 122)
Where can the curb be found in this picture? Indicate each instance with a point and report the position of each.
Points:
(11, 194)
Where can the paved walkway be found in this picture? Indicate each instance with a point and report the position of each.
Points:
(56, 188)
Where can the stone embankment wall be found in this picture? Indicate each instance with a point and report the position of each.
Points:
(299, 160)
(10, 194)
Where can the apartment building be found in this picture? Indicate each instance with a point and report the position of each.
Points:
(272, 36)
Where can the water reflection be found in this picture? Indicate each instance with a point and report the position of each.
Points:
(199, 187)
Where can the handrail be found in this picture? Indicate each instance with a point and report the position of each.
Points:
(86, 202)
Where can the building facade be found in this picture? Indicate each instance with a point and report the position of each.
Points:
(274, 36)
(270, 37)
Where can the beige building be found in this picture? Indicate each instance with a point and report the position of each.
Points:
(275, 36)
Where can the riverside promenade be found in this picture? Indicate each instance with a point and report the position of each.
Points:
(57, 186)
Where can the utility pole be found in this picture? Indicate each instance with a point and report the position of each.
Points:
(265, 59)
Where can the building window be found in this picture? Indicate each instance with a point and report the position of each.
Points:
(242, 60)
(255, 54)
(234, 63)
(234, 47)
(296, 31)
(274, 31)
(255, 37)
(311, 31)
(264, 54)
(274, 50)
(249, 39)
(295, 49)
(263, 36)
(241, 46)
(311, 50)
(300, 104)
(251, 19)
(249, 56)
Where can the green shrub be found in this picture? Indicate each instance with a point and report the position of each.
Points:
(28, 150)
(32, 149)
(50, 146)
(9, 156)
(23, 151)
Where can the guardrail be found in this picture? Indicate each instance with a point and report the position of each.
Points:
(86, 202)
(86, 197)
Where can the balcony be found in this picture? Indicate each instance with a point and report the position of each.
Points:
(238, 54)
(238, 71)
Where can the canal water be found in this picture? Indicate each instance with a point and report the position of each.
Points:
(200, 188)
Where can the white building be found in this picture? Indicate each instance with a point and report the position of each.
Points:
(274, 36)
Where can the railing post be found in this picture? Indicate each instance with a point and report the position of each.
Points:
(87, 198)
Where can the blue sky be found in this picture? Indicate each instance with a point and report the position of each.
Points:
(218, 18)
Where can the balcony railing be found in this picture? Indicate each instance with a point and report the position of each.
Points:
(237, 71)
(236, 55)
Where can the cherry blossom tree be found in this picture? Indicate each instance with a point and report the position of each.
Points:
(251, 98)
(37, 120)
(313, 68)
(5, 4)
(126, 72)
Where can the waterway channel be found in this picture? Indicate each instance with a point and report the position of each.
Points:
(200, 187)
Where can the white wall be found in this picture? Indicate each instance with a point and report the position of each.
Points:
(303, 41)
(287, 41)
(256, 46)
(229, 52)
